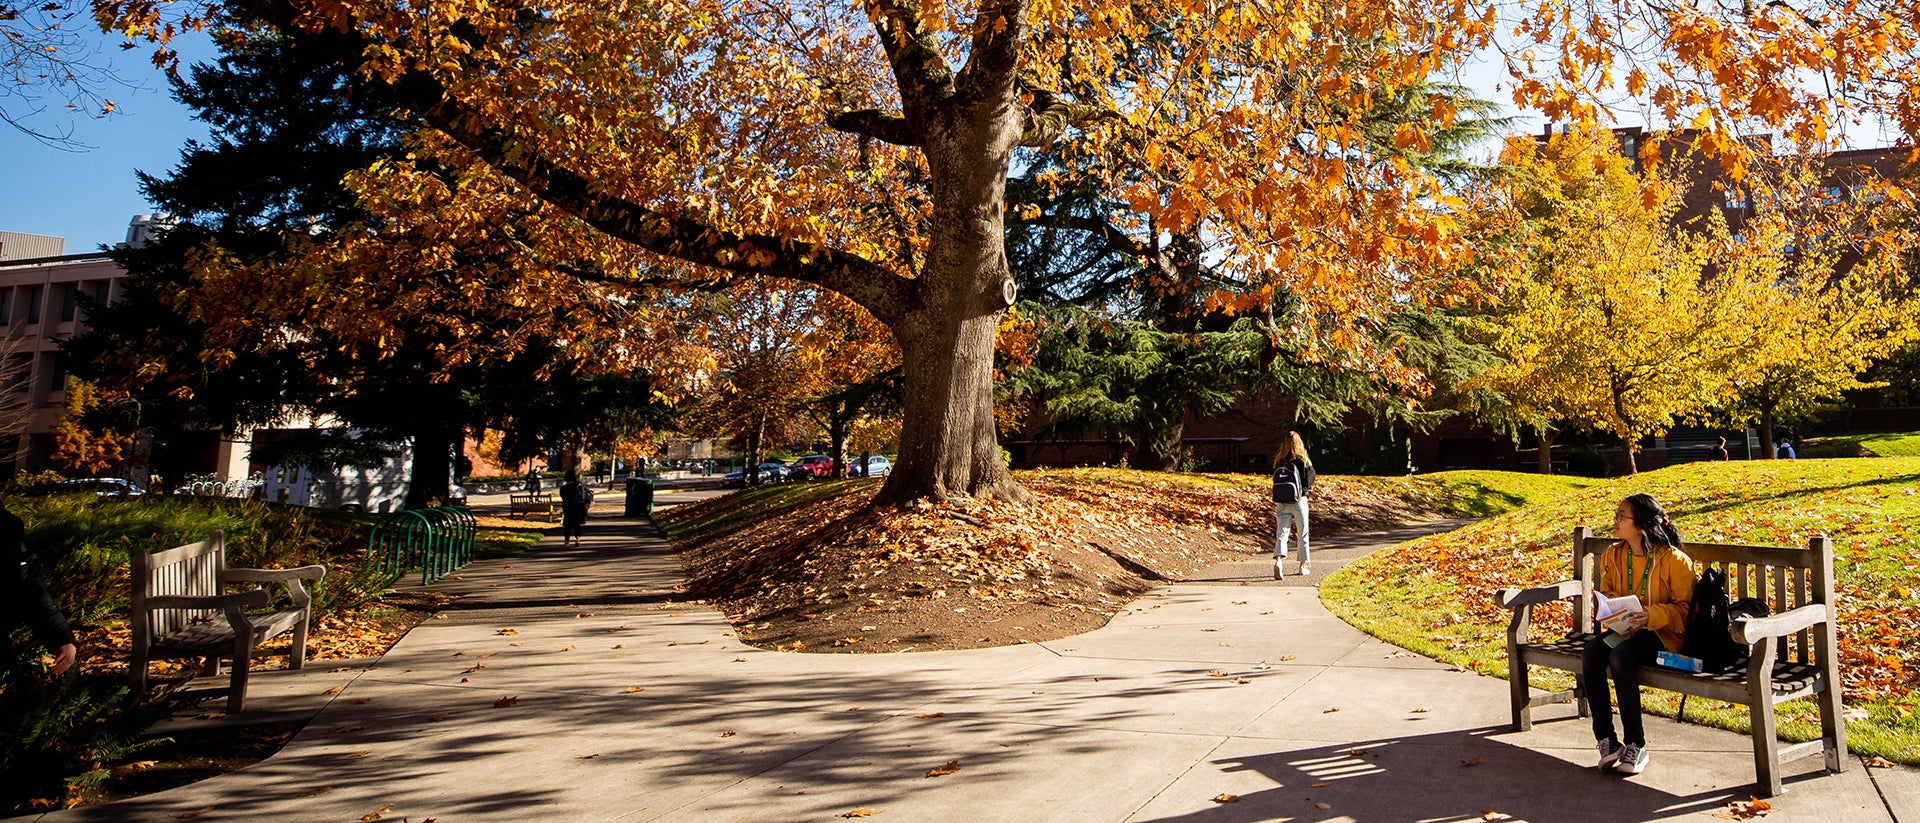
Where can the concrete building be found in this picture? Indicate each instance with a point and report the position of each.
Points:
(40, 306)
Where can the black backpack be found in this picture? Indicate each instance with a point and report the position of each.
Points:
(1286, 484)
(1710, 622)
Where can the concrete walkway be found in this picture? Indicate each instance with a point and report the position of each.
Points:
(575, 684)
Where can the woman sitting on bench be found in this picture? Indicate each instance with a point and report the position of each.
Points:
(1646, 563)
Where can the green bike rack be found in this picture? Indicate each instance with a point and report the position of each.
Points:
(438, 541)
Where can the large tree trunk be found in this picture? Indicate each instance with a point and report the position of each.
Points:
(1546, 450)
(750, 473)
(1766, 433)
(1158, 450)
(949, 444)
(837, 439)
(432, 464)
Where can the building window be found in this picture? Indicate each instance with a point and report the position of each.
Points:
(34, 295)
(6, 306)
(69, 301)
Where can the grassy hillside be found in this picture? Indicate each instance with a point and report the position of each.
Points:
(1435, 595)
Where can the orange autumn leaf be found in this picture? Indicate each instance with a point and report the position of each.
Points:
(940, 771)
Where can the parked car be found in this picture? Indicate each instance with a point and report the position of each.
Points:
(812, 467)
(772, 471)
(877, 466)
(102, 486)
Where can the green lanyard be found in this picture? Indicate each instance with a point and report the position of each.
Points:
(1643, 575)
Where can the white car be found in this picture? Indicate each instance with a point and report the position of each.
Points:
(877, 466)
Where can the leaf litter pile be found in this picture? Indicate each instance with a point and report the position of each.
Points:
(838, 575)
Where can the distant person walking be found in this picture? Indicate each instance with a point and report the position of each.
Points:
(1785, 450)
(574, 502)
(1720, 451)
(1293, 478)
(533, 481)
(25, 601)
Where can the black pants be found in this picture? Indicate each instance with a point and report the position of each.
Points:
(1602, 660)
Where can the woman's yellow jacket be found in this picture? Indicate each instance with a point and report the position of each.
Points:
(1667, 595)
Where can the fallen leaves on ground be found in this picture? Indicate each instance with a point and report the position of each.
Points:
(1469, 762)
(1878, 762)
(925, 715)
(506, 702)
(1323, 806)
(376, 814)
(829, 573)
(195, 813)
(1489, 814)
(860, 813)
(1226, 798)
(941, 771)
(1745, 809)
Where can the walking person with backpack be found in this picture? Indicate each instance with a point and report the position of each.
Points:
(1293, 477)
(575, 499)
(1647, 563)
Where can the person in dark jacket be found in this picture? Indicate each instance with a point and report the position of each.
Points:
(1291, 465)
(26, 601)
(574, 501)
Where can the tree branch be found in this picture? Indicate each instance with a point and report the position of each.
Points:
(1050, 115)
(994, 60)
(876, 124)
(919, 69)
(881, 292)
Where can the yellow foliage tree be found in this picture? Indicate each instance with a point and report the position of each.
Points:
(81, 448)
(1616, 322)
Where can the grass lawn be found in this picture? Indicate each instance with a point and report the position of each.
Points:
(1458, 493)
(1435, 595)
(1901, 444)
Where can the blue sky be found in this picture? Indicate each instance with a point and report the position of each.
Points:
(87, 194)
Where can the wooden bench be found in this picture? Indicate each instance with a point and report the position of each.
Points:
(530, 502)
(1792, 652)
(181, 608)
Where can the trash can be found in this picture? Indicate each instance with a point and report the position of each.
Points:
(639, 497)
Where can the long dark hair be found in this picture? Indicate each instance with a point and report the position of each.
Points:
(1652, 521)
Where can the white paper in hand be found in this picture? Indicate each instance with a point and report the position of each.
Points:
(1615, 613)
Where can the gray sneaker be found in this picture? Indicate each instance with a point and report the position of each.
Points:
(1633, 760)
(1305, 570)
(1279, 568)
(1610, 750)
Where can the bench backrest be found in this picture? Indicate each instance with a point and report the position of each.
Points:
(196, 569)
(1786, 577)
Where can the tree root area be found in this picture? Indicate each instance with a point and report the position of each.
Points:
(842, 575)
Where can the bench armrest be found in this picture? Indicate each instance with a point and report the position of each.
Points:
(1756, 629)
(1515, 598)
(256, 598)
(313, 572)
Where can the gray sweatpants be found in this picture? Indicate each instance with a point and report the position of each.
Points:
(1288, 516)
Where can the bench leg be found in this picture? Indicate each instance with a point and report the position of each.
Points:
(1766, 744)
(297, 656)
(1522, 699)
(237, 682)
(1833, 727)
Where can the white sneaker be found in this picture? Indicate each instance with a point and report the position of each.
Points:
(1305, 570)
(1610, 750)
(1279, 567)
(1633, 759)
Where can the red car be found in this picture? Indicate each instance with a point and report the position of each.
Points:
(810, 467)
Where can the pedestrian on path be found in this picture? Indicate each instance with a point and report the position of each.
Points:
(1293, 477)
(574, 501)
(1647, 563)
(25, 601)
